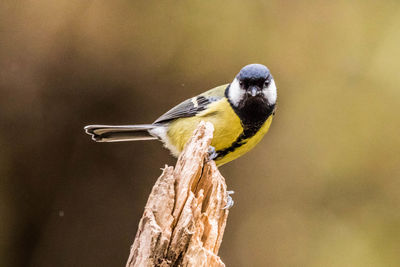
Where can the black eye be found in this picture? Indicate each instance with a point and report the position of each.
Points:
(241, 83)
(266, 83)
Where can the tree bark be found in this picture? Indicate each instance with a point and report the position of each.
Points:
(184, 220)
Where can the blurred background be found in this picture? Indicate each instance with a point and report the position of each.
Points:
(323, 187)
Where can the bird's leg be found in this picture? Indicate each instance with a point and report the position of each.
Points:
(212, 153)
(229, 200)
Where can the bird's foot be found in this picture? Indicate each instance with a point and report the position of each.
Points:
(229, 200)
(212, 153)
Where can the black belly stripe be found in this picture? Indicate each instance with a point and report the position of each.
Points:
(252, 117)
(241, 140)
(248, 132)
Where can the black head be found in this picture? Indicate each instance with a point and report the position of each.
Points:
(254, 83)
(254, 78)
(253, 72)
(252, 95)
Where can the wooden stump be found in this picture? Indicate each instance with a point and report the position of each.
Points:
(184, 220)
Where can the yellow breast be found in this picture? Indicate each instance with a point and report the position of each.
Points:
(227, 129)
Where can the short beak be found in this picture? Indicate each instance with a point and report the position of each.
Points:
(253, 91)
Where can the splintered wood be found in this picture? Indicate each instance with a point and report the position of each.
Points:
(184, 220)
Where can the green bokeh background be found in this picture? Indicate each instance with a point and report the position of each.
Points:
(323, 187)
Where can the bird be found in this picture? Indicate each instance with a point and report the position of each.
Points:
(241, 112)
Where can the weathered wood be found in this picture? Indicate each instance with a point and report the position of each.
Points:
(184, 220)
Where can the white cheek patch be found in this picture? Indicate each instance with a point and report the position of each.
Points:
(235, 92)
(270, 93)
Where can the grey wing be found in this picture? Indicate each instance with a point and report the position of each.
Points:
(188, 108)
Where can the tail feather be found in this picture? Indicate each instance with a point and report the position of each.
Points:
(110, 133)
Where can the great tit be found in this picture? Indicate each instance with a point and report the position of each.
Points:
(241, 113)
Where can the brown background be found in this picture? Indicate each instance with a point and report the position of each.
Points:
(322, 189)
